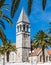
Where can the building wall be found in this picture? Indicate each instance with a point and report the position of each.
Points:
(40, 54)
(19, 55)
(12, 57)
(36, 59)
(33, 59)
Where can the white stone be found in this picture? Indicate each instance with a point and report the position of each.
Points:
(23, 17)
(22, 39)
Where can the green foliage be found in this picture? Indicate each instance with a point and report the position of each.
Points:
(44, 4)
(8, 47)
(41, 39)
(2, 36)
(15, 4)
(7, 19)
(29, 6)
(1, 3)
(2, 24)
(14, 7)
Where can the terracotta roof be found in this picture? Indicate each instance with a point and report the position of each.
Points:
(49, 52)
(36, 52)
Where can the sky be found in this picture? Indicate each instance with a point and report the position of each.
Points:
(39, 19)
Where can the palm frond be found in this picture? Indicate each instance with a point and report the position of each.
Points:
(14, 7)
(29, 6)
(5, 4)
(1, 3)
(8, 19)
(1, 50)
(44, 4)
(8, 47)
(2, 23)
(2, 36)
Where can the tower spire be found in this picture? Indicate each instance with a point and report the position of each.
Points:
(23, 17)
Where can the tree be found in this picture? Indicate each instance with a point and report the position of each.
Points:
(41, 41)
(8, 48)
(3, 38)
(14, 7)
(49, 33)
(4, 16)
(2, 35)
(15, 4)
(1, 3)
(2, 24)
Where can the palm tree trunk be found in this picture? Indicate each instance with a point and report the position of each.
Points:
(43, 53)
(7, 56)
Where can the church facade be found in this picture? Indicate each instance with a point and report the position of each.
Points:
(22, 40)
(23, 46)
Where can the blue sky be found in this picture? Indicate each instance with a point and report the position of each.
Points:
(39, 19)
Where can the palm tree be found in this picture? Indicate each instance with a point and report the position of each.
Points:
(3, 38)
(14, 7)
(49, 33)
(2, 35)
(1, 3)
(2, 24)
(41, 40)
(15, 4)
(8, 48)
(4, 16)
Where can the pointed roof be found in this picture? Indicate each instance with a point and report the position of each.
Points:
(23, 17)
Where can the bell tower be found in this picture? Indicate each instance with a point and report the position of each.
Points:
(23, 37)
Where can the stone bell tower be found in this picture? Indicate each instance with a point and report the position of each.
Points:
(23, 37)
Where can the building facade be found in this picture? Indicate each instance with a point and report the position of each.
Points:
(22, 40)
(23, 44)
(36, 56)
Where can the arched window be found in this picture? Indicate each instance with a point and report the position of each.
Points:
(23, 27)
(46, 58)
(20, 27)
(41, 58)
(27, 28)
(50, 58)
(17, 28)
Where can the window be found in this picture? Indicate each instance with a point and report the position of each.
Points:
(27, 28)
(46, 58)
(23, 27)
(49, 58)
(41, 58)
(18, 29)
